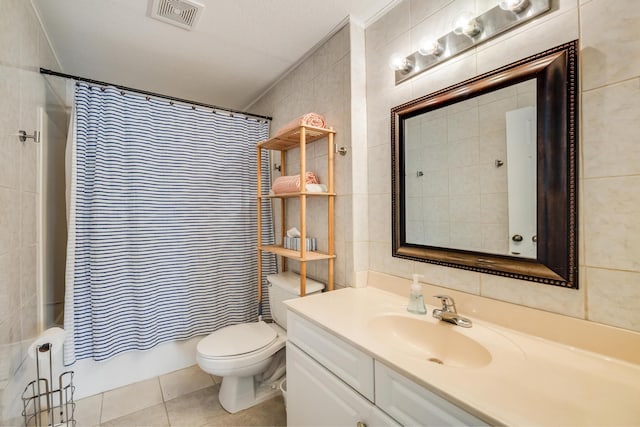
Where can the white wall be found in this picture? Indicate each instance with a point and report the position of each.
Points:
(323, 83)
(23, 48)
(609, 177)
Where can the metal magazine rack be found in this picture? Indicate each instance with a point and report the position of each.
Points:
(46, 404)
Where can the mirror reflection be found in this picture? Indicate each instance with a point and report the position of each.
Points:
(470, 174)
(484, 172)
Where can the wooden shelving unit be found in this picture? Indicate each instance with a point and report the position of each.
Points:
(289, 195)
(298, 138)
(292, 254)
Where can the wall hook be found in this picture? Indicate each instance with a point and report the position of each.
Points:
(23, 136)
(341, 150)
(499, 163)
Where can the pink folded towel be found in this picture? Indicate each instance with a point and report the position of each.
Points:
(309, 119)
(291, 184)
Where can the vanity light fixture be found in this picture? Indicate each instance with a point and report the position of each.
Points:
(468, 31)
(400, 64)
(430, 47)
(515, 6)
(467, 24)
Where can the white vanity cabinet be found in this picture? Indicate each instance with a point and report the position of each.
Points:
(413, 405)
(331, 383)
(316, 397)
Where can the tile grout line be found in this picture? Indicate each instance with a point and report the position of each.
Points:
(164, 402)
(580, 230)
(622, 270)
(611, 83)
(101, 406)
(591, 178)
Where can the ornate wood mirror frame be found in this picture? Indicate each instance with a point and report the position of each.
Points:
(556, 74)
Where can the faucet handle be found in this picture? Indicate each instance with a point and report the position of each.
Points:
(448, 304)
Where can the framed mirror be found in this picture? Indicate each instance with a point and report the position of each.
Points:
(484, 173)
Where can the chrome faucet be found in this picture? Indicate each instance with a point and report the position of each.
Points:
(448, 312)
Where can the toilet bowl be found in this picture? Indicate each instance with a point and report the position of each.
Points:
(250, 356)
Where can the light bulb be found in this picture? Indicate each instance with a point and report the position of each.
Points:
(515, 6)
(398, 62)
(429, 46)
(467, 24)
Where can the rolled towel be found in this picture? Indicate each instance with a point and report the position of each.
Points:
(291, 184)
(309, 119)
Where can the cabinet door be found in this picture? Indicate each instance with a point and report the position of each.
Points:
(316, 397)
(413, 405)
(345, 361)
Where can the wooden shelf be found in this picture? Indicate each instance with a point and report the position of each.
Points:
(288, 195)
(291, 139)
(291, 254)
(298, 138)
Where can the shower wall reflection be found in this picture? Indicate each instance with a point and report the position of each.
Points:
(458, 184)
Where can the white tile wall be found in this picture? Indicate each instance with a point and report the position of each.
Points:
(610, 42)
(609, 185)
(323, 84)
(609, 112)
(614, 307)
(23, 48)
(612, 222)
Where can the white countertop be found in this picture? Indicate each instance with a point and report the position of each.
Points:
(529, 380)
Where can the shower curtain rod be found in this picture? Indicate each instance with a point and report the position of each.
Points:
(144, 92)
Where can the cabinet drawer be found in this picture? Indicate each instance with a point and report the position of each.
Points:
(349, 364)
(412, 404)
(315, 397)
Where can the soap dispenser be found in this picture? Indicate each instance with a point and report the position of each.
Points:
(416, 301)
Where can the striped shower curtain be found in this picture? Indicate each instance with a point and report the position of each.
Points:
(162, 242)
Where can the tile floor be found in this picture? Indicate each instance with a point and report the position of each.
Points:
(188, 397)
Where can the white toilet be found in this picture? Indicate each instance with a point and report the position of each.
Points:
(250, 356)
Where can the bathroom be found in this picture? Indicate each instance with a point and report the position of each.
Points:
(344, 75)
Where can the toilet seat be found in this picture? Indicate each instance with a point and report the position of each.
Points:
(246, 356)
(237, 340)
(242, 364)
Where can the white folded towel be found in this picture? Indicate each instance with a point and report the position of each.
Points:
(293, 232)
(316, 188)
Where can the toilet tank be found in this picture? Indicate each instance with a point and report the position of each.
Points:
(284, 286)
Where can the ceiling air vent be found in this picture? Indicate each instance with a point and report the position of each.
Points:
(181, 13)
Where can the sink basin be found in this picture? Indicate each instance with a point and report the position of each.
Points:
(438, 343)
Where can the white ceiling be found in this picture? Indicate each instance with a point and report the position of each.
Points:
(237, 50)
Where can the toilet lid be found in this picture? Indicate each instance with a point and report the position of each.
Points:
(237, 339)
